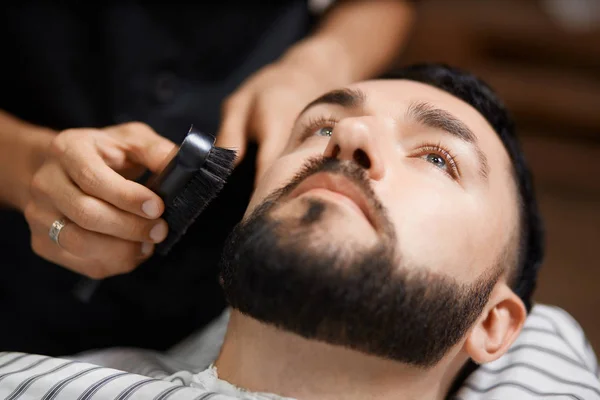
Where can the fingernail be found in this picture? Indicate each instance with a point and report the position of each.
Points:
(159, 232)
(150, 207)
(147, 248)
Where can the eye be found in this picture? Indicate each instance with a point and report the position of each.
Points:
(436, 160)
(325, 131)
(441, 158)
(317, 127)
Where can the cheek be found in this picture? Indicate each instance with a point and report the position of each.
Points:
(498, 220)
(439, 228)
(278, 175)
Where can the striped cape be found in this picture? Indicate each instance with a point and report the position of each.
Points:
(551, 359)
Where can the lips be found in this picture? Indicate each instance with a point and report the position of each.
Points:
(341, 188)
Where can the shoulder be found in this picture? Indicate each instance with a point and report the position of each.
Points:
(551, 358)
(33, 377)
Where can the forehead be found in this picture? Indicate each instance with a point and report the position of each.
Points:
(392, 97)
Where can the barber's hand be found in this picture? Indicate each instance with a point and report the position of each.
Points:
(263, 109)
(112, 222)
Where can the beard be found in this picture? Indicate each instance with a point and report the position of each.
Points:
(291, 273)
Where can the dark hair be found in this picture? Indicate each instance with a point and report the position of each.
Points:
(478, 94)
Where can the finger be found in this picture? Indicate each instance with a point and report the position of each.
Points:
(233, 131)
(111, 255)
(144, 146)
(268, 151)
(91, 174)
(273, 120)
(53, 186)
(48, 250)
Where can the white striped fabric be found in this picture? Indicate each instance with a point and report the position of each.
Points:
(29, 377)
(551, 359)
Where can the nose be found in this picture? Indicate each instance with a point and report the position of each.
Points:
(353, 139)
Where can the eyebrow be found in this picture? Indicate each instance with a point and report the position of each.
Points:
(428, 115)
(347, 98)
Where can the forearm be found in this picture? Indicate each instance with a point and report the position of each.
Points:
(357, 40)
(22, 149)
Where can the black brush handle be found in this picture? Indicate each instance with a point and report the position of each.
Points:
(183, 163)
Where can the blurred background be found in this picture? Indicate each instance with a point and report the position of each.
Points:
(543, 58)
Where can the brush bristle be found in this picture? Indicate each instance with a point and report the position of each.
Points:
(193, 199)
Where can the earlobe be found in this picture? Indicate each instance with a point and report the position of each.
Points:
(498, 327)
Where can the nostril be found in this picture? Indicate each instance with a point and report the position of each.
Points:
(336, 151)
(362, 158)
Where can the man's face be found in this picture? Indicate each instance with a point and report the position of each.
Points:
(391, 208)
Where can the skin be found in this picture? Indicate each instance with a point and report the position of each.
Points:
(47, 175)
(113, 222)
(455, 225)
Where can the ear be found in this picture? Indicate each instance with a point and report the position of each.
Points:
(498, 327)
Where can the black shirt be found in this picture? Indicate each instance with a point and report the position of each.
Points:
(169, 66)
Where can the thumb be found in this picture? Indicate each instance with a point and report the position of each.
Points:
(232, 133)
(144, 146)
(268, 151)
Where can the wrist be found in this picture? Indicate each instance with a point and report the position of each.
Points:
(323, 57)
(24, 149)
(359, 39)
(36, 142)
(34, 147)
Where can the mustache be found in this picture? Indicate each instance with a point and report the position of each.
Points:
(349, 170)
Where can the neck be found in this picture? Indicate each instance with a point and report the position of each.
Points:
(262, 358)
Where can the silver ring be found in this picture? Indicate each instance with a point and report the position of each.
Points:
(55, 229)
